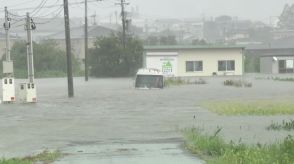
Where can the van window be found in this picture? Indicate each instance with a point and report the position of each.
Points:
(10, 81)
(29, 86)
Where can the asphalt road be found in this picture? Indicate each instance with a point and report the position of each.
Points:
(109, 121)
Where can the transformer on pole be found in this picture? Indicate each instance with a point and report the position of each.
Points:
(28, 93)
(8, 82)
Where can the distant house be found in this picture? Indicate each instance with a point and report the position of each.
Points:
(194, 61)
(77, 38)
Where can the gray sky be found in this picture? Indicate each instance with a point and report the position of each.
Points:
(244, 9)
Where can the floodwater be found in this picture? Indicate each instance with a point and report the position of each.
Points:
(109, 121)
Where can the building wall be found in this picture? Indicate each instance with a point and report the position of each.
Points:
(210, 58)
(266, 65)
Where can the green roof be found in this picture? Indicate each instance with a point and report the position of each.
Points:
(185, 47)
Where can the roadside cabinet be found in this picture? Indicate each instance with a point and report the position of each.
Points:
(8, 90)
(27, 93)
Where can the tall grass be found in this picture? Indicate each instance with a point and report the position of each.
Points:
(215, 150)
(44, 157)
(258, 107)
(285, 125)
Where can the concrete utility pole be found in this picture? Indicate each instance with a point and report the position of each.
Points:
(68, 50)
(86, 42)
(7, 27)
(29, 28)
(8, 85)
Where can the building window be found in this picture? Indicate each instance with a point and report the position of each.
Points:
(222, 66)
(286, 66)
(194, 66)
(226, 65)
(230, 65)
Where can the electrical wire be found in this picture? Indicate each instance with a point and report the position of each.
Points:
(51, 19)
(39, 8)
(49, 6)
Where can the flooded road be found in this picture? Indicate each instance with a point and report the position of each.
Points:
(110, 113)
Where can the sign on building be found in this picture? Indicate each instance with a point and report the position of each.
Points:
(166, 62)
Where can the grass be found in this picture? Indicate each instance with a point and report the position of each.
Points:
(177, 81)
(238, 83)
(44, 157)
(286, 125)
(215, 150)
(258, 107)
(283, 79)
(171, 82)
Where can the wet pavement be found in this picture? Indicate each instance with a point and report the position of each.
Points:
(170, 153)
(109, 121)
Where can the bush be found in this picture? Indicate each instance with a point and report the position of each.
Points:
(238, 83)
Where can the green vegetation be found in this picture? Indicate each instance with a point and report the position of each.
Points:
(44, 157)
(49, 60)
(238, 83)
(215, 150)
(170, 82)
(177, 81)
(108, 58)
(258, 107)
(252, 63)
(283, 79)
(286, 125)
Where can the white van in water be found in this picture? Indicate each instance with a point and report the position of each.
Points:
(148, 78)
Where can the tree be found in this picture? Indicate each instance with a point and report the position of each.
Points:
(110, 59)
(168, 40)
(200, 42)
(48, 58)
(252, 63)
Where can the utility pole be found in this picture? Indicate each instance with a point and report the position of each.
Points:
(7, 27)
(8, 84)
(86, 42)
(68, 50)
(29, 28)
(123, 18)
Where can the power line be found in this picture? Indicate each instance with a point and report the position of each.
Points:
(50, 13)
(51, 19)
(39, 7)
(49, 6)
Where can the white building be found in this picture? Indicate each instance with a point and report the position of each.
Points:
(195, 61)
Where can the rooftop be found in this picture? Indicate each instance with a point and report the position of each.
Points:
(187, 47)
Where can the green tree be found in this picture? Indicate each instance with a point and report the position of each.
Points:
(252, 64)
(200, 42)
(49, 60)
(108, 58)
(168, 40)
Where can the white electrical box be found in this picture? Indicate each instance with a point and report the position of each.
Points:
(28, 93)
(7, 67)
(8, 89)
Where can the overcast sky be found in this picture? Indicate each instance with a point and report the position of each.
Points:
(244, 9)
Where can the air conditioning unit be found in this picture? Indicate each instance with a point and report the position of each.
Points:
(8, 90)
(27, 93)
